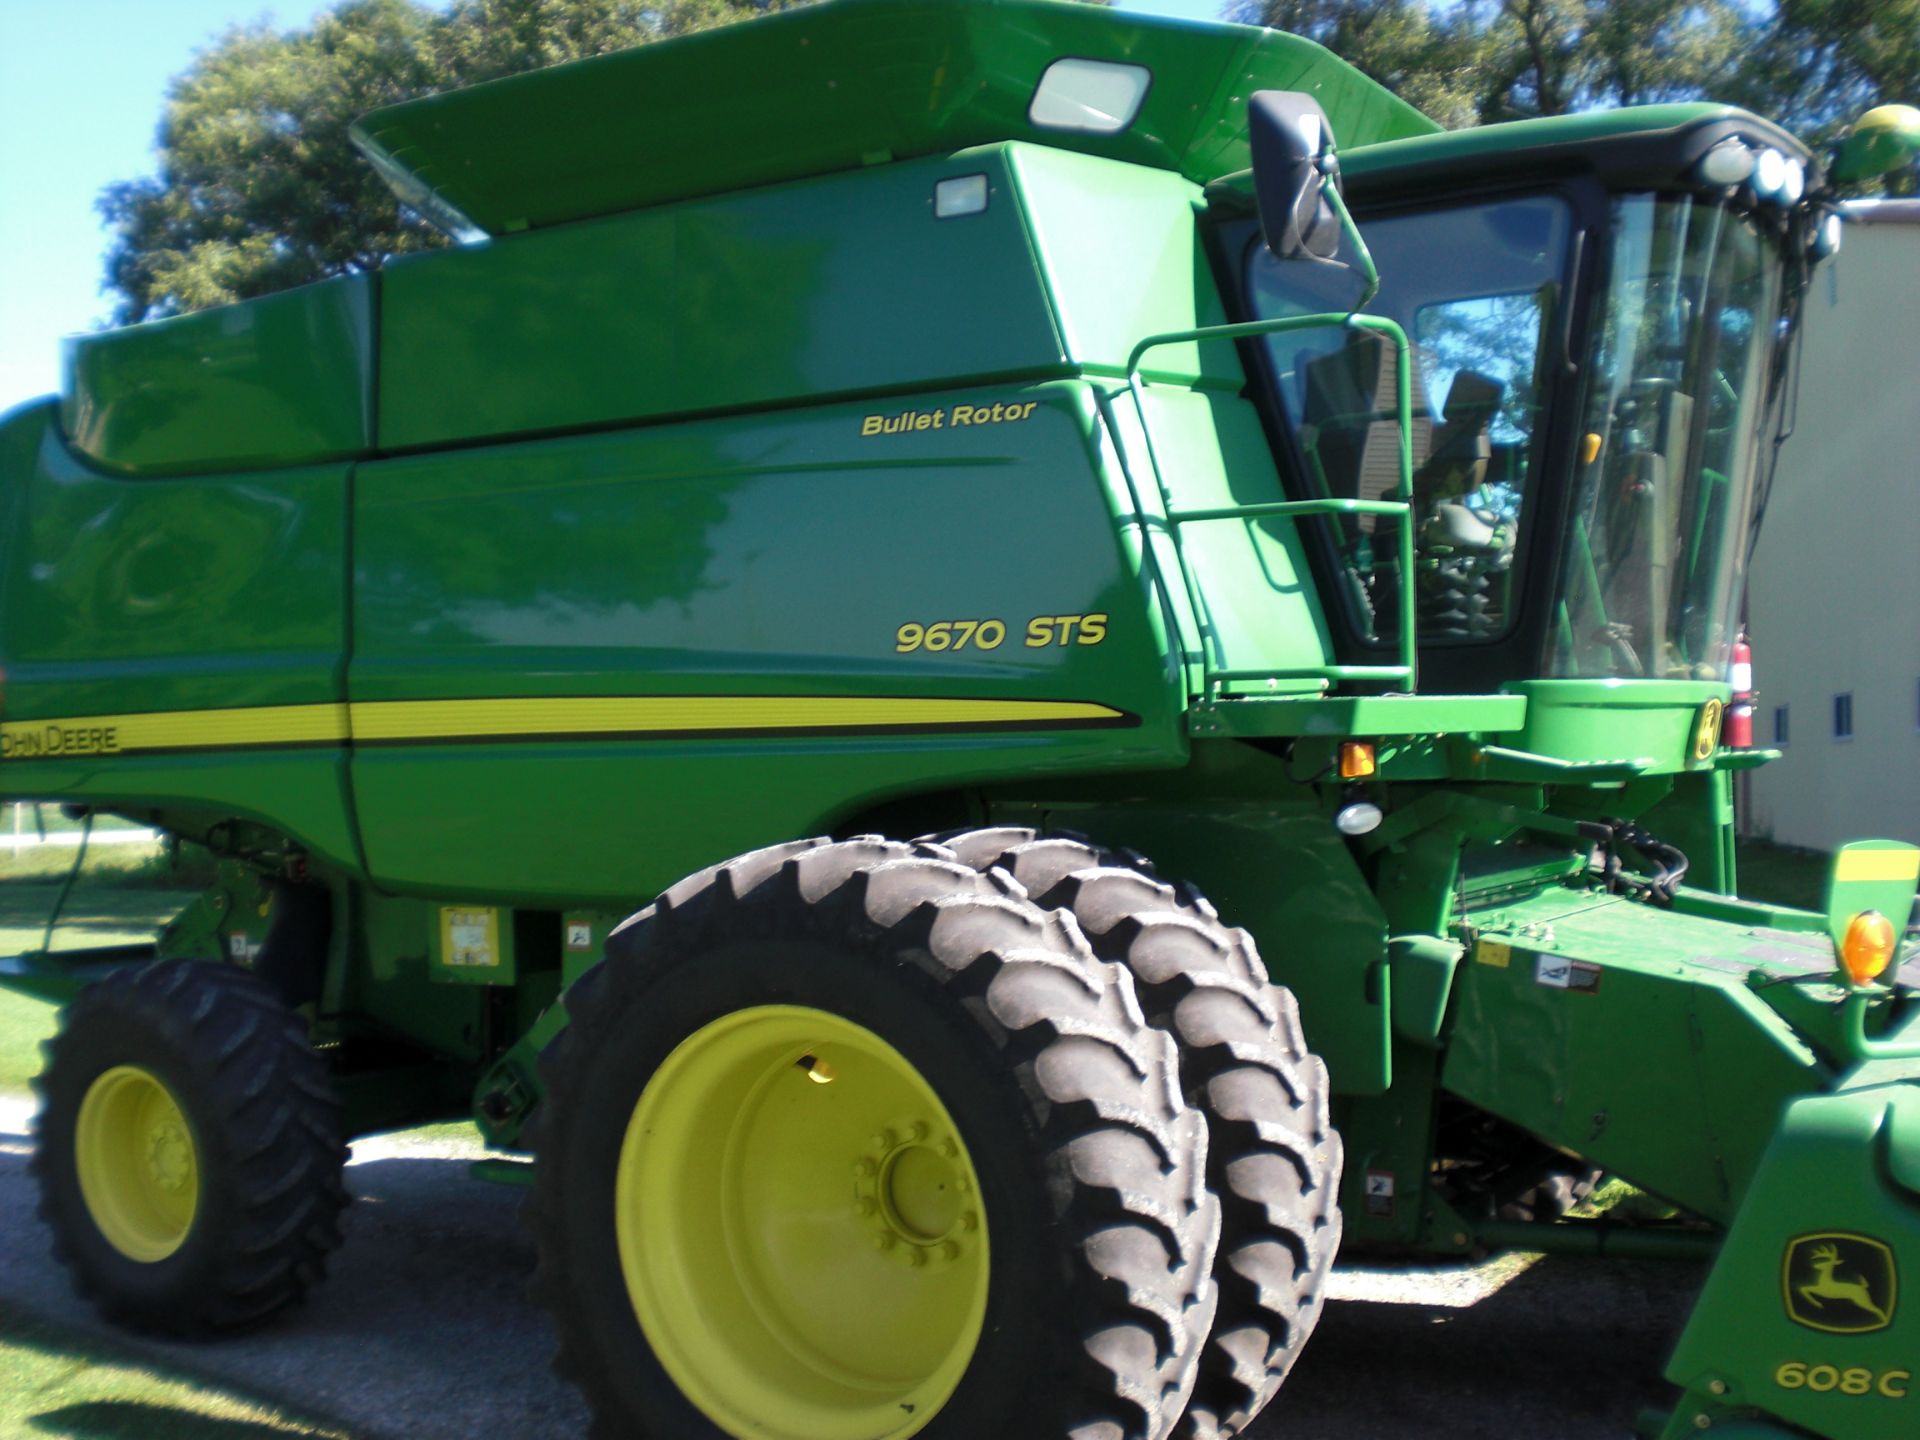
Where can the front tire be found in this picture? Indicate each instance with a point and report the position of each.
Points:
(844, 1142)
(1273, 1157)
(189, 1153)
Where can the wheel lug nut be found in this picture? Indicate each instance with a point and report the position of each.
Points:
(863, 1167)
(970, 1221)
(949, 1250)
(884, 1140)
(949, 1149)
(883, 1242)
(919, 1131)
(864, 1206)
(917, 1258)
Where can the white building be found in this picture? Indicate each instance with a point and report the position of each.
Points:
(1834, 595)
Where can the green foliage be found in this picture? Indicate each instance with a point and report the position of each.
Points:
(1431, 60)
(1550, 57)
(1825, 62)
(259, 188)
(1814, 65)
(1484, 61)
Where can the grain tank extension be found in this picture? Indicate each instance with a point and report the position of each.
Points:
(973, 693)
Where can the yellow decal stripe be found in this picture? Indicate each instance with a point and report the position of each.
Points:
(698, 714)
(1878, 865)
(173, 730)
(585, 717)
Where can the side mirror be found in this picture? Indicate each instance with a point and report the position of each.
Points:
(1292, 159)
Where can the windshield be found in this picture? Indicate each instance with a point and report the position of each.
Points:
(1475, 287)
(1666, 466)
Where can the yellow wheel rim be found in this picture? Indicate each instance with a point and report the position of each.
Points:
(139, 1170)
(801, 1231)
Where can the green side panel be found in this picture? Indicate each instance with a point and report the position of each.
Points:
(1650, 724)
(285, 380)
(393, 983)
(129, 596)
(828, 88)
(1629, 1035)
(747, 300)
(765, 556)
(1258, 609)
(1265, 852)
(1812, 1312)
(1123, 258)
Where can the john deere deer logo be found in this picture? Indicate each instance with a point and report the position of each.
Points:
(1840, 1283)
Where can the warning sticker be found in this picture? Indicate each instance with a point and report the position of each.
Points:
(470, 938)
(1494, 953)
(1379, 1192)
(579, 935)
(1557, 972)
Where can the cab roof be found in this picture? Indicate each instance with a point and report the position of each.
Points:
(833, 87)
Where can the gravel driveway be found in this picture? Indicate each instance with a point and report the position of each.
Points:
(423, 1331)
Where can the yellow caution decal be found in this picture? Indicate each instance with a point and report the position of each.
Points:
(1857, 864)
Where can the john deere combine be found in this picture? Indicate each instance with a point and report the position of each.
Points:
(1006, 424)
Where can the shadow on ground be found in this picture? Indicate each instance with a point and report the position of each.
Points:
(423, 1331)
(1571, 1348)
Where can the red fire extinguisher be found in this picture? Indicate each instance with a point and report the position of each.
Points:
(1739, 727)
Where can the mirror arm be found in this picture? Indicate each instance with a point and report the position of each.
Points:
(1362, 257)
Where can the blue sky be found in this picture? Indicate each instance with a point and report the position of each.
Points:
(81, 88)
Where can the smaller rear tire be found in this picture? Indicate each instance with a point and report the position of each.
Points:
(189, 1152)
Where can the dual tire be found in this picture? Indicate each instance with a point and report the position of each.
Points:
(992, 1134)
(865, 1139)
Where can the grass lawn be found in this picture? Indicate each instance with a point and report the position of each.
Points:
(55, 1382)
(94, 915)
(24, 1023)
(1784, 875)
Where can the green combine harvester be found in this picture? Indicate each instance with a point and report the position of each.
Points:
(1289, 594)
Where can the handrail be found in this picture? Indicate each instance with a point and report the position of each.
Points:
(1865, 1047)
(1406, 673)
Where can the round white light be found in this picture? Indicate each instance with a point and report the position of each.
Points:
(1796, 183)
(1362, 817)
(1826, 240)
(1727, 163)
(1770, 174)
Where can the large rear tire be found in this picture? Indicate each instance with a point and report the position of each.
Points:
(1273, 1156)
(846, 1141)
(189, 1150)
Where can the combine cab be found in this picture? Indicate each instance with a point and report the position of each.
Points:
(1287, 592)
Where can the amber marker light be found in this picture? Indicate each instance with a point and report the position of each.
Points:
(1868, 948)
(1357, 761)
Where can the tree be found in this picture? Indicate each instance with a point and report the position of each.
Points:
(1431, 61)
(1825, 62)
(1490, 60)
(1552, 57)
(259, 188)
